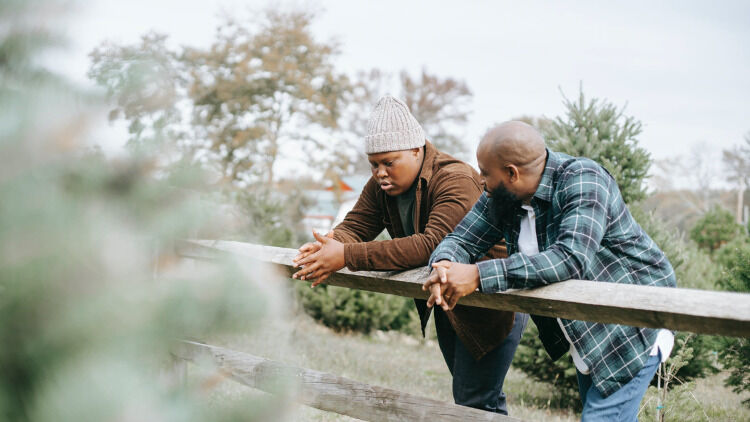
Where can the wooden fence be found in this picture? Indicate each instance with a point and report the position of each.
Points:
(698, 311)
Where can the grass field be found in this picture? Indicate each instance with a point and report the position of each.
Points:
(413, 365)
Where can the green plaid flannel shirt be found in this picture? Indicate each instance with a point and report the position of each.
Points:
(584, 231)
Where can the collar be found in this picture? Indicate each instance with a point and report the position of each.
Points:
(544, 190)
(430, 153)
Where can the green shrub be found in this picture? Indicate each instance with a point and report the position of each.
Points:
(345, 309)
(532, 359)
(715, 229)
(735, 352)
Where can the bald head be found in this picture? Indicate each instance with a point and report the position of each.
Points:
(513, 142)
(511, 158)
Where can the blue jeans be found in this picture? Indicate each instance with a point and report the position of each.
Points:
(478, 384)
(623, 404)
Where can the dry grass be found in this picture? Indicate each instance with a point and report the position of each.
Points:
(407, 364)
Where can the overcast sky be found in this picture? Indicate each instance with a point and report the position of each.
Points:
(682, 67)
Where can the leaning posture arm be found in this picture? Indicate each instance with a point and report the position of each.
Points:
(584, 192)
(452, 197)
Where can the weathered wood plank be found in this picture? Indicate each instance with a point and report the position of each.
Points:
(330, 392)
(699, 311)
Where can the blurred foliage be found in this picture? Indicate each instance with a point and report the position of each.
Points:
(145, 82)
(269, 218)
(714, 229)
(91, 294)
(600, 131)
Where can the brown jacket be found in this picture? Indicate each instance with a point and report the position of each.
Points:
(446, 190)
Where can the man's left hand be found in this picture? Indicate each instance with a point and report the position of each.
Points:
(321, 264)
(456, 281)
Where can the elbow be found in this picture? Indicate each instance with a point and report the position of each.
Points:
(575, 263)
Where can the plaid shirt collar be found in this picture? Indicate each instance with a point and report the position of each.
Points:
(544, 190)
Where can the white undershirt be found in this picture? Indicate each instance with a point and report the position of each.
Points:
(527, 245)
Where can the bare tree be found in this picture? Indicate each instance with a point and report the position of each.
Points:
(441, 106)
(737, 160)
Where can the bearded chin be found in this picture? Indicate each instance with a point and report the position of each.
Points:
(503, 204)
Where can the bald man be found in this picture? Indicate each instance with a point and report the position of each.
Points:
(563, 218)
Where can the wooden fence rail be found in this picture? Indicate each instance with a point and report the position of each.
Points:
(698, 311)
(330, 392)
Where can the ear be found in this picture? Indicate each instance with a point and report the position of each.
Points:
(415, 151)
(513, 174)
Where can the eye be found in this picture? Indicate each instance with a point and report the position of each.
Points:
(388, 163)
(373, 165)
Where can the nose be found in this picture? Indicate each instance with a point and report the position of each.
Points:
(380, 172)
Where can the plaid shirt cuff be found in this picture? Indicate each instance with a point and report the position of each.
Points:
(440, 256)
(493, 276)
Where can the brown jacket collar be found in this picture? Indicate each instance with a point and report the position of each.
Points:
(430, 152)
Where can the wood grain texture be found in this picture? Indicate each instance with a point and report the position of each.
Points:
(698, 311)
(329, 392)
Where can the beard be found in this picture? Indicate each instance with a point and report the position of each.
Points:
(503, 204)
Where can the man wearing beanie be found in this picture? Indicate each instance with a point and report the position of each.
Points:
(419, 195)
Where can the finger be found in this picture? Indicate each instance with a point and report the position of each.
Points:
(316, 247)
(308, 270)
(444, 306)
(330, 234)
(432, 279)
(320, 279)
(443, 273)
(306, 247)
(448, 291)
(436, 291)
(319, 238)
(301, 256)
(431, 300)
(444, 264)
(315, 275)
(310, 247)
(311, 258)
(453, 301)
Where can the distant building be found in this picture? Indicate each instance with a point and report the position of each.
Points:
(331, 204)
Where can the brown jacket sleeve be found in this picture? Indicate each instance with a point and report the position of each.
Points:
(452, 197)
(365, 221)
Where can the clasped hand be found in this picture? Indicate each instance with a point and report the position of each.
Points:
(450, 281)
(319, 259)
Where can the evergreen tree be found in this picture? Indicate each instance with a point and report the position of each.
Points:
(735, 352)
(599, 130)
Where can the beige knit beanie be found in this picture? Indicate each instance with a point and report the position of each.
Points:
(392, 128)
